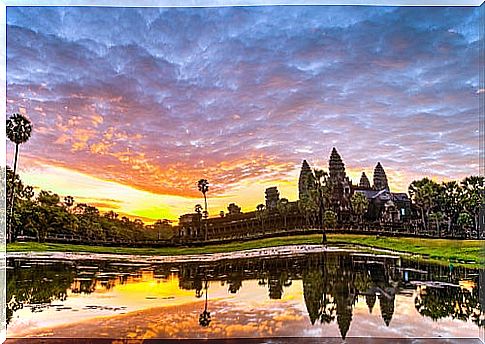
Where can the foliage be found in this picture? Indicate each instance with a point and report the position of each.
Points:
(329, 219)
(359, 204)
(45, 215)
(203, 186)
(283, 208)
(18, 131)
(451, 205)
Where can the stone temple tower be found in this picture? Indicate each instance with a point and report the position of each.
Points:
(340, 182)
(272, 196)
(306, 180)
(336, 167)
(380, 178)
(364, 182)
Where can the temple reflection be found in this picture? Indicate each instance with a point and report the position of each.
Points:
(332, 284)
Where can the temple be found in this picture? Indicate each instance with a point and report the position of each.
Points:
(306, 180)
(272, 196)
(384, 207)
(364, 182)
(380, 178)
(341, 184)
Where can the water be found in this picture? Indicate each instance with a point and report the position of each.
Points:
(330, 294)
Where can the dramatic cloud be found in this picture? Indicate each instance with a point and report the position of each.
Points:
(158, 98)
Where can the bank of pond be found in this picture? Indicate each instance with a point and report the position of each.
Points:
(467, 252)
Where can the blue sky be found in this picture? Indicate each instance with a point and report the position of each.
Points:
(154, 98)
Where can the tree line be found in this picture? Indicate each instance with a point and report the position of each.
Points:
(46, 214)
(452, 207)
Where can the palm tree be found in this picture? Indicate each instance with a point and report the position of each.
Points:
(203, 186)
(19, 130)
(260, 214)
(69, 201)
(283, 208)
(198, 210)
(465, 221)
(308, 205)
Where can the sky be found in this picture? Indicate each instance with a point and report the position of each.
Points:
(132, 106)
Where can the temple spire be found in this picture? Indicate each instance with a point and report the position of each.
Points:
(305, 181)
(364, 181)
(380, 178)
(336, 167)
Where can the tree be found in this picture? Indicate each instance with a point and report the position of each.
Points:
(437, 217)
(19, 130)
(260, 213)
(450, 200)
(164, 229)
(424, 194)
(49, 217)
(465, 221)
(69, 201)
(111, 215)
(203, 186)
(329, 219)
(359, 205)
(473, 198)
(322, 193)
(283, 208)
(309, 208)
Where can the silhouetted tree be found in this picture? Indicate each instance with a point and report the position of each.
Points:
(283, 208)
(19, 130)
(203, 186)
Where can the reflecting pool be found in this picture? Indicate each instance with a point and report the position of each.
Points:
(323, 294)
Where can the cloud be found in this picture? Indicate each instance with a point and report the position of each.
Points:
(158, 98)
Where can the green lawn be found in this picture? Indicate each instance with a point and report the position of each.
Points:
(470, 251)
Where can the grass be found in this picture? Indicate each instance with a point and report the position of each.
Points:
(464, 252)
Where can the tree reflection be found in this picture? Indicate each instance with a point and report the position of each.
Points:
(316, 292)
(449, 301)
(332, 284)
(205, 316)
(36, 285)
(235, 282)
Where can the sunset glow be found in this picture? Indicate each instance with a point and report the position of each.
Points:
(132, 106)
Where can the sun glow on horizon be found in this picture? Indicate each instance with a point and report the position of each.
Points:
(129, 201)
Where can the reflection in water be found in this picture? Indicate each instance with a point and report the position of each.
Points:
(205, 316)
(449, 301)
(332, 285)
(36, 286)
